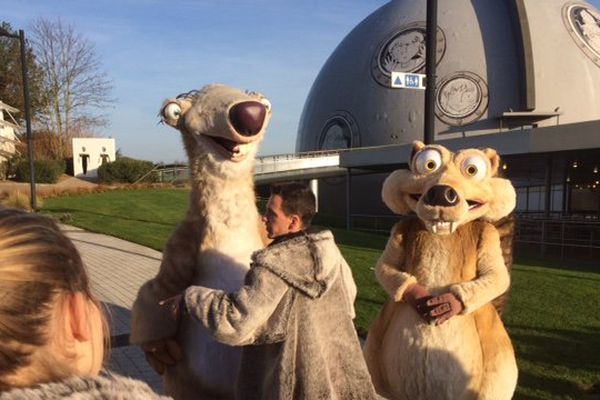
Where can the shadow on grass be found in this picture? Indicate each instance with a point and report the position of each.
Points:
(535, 387)
(570, 354)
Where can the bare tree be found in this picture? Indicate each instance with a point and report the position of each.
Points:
(11, 80)
(76, 86)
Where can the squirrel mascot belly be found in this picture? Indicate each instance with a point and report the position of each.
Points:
(439, 336)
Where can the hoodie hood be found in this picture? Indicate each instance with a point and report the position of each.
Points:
(307, 262)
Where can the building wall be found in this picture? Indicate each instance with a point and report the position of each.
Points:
(482, 56)
(7, 138)
(572, 31)
(89, 154)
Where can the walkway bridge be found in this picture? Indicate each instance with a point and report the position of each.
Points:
(287, 167)
(277, 168)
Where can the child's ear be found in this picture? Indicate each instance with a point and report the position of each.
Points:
(78, 316)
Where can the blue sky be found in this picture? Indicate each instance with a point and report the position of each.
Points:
(155, 49)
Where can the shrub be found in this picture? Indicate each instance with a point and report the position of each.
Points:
(17, 199)
(126, 170)
(46, 171)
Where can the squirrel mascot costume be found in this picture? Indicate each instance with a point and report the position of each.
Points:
(439, 336)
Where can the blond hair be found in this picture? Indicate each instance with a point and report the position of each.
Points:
(39, 266)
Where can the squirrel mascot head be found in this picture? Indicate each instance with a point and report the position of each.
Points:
(447, 190)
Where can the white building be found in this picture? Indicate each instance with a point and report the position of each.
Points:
(8, 125)
(90, 153)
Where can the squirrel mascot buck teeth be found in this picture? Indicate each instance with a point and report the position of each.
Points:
(439, 336)
(221, 128)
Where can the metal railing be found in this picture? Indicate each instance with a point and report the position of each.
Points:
(560, 236)
(299, 161)
(373, 223)
(575, 236)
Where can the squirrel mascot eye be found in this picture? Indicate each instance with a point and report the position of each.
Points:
(475, 167)
(428, 161)
(171, 112)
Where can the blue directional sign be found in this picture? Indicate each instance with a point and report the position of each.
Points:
(411, 81)
(405, 80)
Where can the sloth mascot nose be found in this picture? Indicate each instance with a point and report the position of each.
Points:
(247, 118)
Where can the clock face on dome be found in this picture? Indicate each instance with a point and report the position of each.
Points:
(583, 23)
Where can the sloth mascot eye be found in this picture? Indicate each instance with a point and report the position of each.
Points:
(171, 112)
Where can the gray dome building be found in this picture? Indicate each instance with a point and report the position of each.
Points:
(500, 64)
(522, 76)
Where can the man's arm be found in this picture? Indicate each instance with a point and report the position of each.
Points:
(237, 318)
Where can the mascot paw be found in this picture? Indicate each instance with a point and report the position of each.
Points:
(418, 296)
(441, 308)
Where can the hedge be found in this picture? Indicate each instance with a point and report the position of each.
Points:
(46, 171)
(126, 170)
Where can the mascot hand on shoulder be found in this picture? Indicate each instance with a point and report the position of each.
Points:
(439, 336)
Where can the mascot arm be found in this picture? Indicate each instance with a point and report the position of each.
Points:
(492, 276)
(149, 320)
(387, 270)
(236, 319)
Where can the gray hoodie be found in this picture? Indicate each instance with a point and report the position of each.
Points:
(294, 317)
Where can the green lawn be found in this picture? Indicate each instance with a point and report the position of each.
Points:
(553, 315)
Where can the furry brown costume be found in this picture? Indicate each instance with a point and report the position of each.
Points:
(221, 128)
(450, 251)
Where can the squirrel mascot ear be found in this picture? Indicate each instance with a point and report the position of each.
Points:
(391, 194)
(494, 160)
(417, 146)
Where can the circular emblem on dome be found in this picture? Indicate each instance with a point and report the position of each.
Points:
(403, 51)
(461, 98)
(583, 23)
(339, 132)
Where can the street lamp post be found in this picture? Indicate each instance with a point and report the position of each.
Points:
(430, 61)
(21, 37)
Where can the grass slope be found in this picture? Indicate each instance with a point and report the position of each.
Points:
(552, 317)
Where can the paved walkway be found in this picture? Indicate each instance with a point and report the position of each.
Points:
(117, 269)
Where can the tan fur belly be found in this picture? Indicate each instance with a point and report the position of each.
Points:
(417, 353)
(209, 366)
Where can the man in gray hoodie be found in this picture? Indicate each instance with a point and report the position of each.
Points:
(294, 313)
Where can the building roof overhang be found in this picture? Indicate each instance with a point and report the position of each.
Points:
(568, 137)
